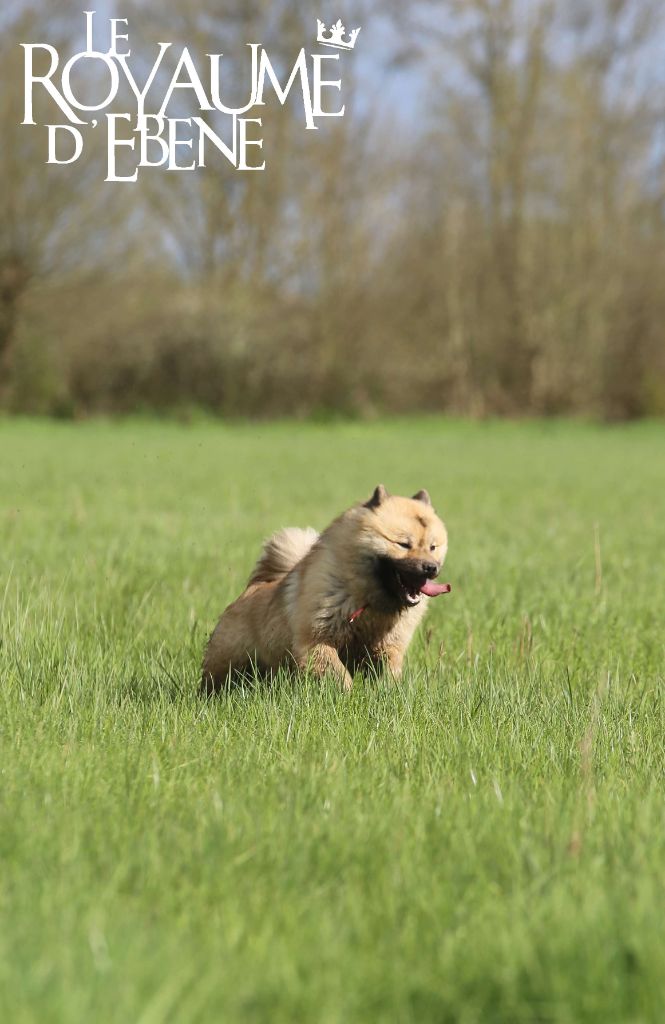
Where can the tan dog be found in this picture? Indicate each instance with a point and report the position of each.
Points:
(335, 602)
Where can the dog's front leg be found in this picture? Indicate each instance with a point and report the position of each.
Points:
(322, 660)
(390, 658)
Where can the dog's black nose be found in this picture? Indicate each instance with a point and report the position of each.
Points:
(430, 569)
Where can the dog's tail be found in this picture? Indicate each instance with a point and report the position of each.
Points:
(281, 552)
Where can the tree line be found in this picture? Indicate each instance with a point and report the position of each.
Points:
(483, 233)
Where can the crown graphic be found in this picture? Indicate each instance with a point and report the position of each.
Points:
(336, 36)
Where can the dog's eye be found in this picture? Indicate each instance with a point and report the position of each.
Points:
(405, 544)
(433, 547)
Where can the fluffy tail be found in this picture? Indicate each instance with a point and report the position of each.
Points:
(281, 552)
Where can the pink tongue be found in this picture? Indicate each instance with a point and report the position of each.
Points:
(432, 589)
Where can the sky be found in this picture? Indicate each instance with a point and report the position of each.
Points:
(401, 90)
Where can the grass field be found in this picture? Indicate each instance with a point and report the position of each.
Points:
(484, 842)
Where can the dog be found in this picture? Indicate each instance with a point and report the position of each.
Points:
(334, 603)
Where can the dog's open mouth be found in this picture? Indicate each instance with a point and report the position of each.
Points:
(413, 586)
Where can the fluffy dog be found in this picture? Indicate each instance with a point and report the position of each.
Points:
(334, 603)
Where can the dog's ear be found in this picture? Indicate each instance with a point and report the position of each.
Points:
(423, 496)
(380, 495)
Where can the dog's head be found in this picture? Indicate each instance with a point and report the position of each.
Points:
(405, 544)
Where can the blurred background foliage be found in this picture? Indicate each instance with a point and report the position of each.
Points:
(482, 233)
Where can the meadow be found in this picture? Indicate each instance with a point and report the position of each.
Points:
(483, 842)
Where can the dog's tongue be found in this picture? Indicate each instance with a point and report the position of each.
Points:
(432, 589)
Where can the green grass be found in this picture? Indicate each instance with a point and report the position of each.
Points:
(484, 842)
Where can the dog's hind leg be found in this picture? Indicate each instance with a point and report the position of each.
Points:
(234, 676)
(214, 683)
(227, 659)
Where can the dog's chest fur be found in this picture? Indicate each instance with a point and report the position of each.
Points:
(334, 599)
(358, 632)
